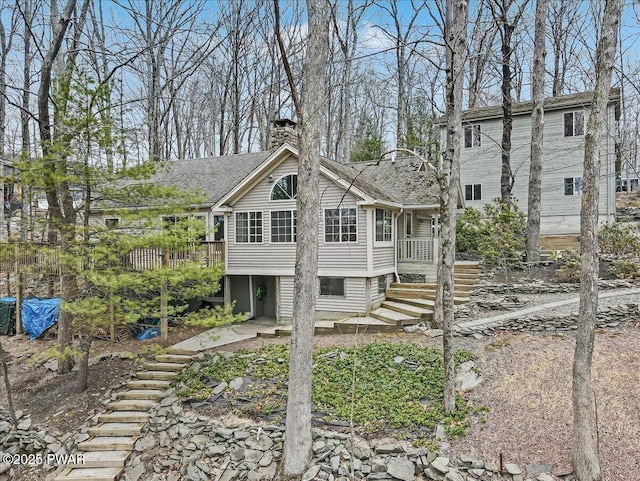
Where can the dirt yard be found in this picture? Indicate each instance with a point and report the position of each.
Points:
(526, 388)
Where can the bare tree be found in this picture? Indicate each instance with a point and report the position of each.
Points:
(537, 134)
(457, 12)
(507, 20)
(309, 108)
(586, 462)
(482, 39)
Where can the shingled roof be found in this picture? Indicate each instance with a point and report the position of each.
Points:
(582, 99)
(398, 181)
(213, 176)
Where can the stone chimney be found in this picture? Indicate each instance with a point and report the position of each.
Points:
(283, 131)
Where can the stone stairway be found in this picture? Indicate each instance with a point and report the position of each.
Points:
(406, 304)
(102, 457)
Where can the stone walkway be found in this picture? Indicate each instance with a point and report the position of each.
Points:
(480, 324)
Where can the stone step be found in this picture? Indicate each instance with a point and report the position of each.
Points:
(124, 417)
(131, 405)
(394, 317)
(100, 459)
(149, 384)
(165, 366)
(156, 375)
(89, 474)
(116, 429)
(173, 358)
(181, 352)
(412, 310)
(108, 443)
(152, 394)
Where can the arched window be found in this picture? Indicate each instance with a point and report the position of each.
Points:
(286, 188)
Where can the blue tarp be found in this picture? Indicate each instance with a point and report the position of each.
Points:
(38, 315)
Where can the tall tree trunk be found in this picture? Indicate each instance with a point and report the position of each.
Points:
(297, 446)
(25, 210)
(457, 12)
(537, 134)
(7, 384)
(507, 115)
(586, 462)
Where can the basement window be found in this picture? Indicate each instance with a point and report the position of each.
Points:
(332, 286)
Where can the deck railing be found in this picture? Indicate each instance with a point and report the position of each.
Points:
(16, 257)
(415, 249)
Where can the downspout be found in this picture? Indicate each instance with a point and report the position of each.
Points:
(395, 248)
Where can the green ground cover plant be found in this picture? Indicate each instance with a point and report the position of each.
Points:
(377, 385)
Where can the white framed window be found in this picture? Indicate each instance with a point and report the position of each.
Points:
(332, 286)
(248, 227)
(340, 225)
(573, 186)
(473, 192)
(574, 123)
(283, 226)
(472, 137)
(112, 223)
(286, 188)
(384, 225)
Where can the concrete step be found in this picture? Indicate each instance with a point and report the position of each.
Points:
(411, 310)
(173, 358)
(156, 375)
(131, 405)
(100, 459)
(164, 366)
(151, 394)
(108, 443)
(394, 317)
(149, 384)
(89, 474)
(116, 429)
(364, 325)
(124, 417)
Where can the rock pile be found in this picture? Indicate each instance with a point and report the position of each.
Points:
(607, 318)
(540, 287)
(180, 445)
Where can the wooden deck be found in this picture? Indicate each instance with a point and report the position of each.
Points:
(44, 258)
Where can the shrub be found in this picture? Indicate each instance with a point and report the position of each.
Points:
(497, 233)
(568, 269)
(618, 239)
(626, 268)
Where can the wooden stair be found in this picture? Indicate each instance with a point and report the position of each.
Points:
(102, 457)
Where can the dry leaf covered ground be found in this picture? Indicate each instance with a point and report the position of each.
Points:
(527, 389)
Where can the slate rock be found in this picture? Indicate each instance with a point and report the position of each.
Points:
(401, 468)
(512, 469)
(311, 473)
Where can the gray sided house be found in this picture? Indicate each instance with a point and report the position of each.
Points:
(378, 221)
(565, 120)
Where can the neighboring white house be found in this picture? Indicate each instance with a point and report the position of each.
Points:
(564, 127)
(378, 220)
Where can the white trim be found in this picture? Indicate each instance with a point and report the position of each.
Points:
(252, 312)
(384, 243)
(235, 227)
(275, 182)
(294, 233)
(369, 213)
(381, 204)
(324, 226)
(256, 271)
